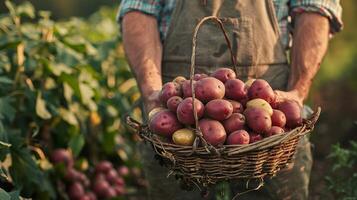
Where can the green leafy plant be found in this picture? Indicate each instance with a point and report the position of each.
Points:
(62, 85)
(342, 180)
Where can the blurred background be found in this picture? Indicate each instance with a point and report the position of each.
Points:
(87, 29)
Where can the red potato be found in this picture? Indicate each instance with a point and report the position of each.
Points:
(164, 123)
(292, 112)
(235, 89)
(99, 176)
(111, 176)
(85, 197)
(173, 103)
(258, 119)
(120, 190)
(237, 107)
(198, 77)
(119, 181)
(261, 89)
(91, 196)
(254, 137)
(169, 90)
(123, 171)
(219, 109)
(62, 156)
(235, 122)
(274, 130)
(84, 180)
(208, 89)
(186, 88)
(213, 131)
(75, 190)
(185, 111)
(109, 193)
(100, 186)
(103, 166)
(223, 74)
(72, 175)
(238, 137)
(244, 101)
(278, 118)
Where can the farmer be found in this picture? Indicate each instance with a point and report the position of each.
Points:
(157, 37)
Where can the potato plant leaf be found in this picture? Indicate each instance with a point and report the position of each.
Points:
(41, 109)
(6, 109)
(76, 143)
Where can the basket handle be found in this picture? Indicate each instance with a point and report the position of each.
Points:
(192, 73)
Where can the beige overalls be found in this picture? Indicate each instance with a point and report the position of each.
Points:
(253, 30)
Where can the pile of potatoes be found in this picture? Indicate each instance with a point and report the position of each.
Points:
(229, 111)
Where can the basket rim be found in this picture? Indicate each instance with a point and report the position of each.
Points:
(145, 133)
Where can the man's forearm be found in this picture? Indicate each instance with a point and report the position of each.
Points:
(310, 40)
(143, 49)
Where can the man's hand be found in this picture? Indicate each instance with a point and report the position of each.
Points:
(310, 40)
(143, 49)
(291, 95)
(152, 101)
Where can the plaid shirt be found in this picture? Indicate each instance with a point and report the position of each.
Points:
(285, 9)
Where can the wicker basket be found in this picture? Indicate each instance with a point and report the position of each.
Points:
(205, 165)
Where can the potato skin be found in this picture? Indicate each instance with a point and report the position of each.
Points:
(198, 77)
(292, 112)
(237, 106)
(274, 130)
(235, 122)
(235, 89)
(185, 111)
(173, 103)
(179, 80)
(164, 123)
(278, 118)
(219, 109)
(261, 89)
(169, 90)
(224, 74)
(208, 89)
(260, 103)
(186, 88)
(238, 137)
(184, 137)
(213, 131)
(154, 112)
(258, 119)
(254, 137)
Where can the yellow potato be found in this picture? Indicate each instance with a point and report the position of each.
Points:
(184, 137)
(249, 82)
(154, 111)
(260, 103)
(179, 80)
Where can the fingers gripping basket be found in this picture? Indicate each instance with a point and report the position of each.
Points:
(205, 165)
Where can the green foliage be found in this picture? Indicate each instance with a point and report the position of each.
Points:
(62, 85)
(342, 180)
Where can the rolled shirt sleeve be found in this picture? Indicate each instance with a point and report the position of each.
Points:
(328, 8)
(149, 7)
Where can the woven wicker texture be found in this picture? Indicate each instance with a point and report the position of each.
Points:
(205, 166)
